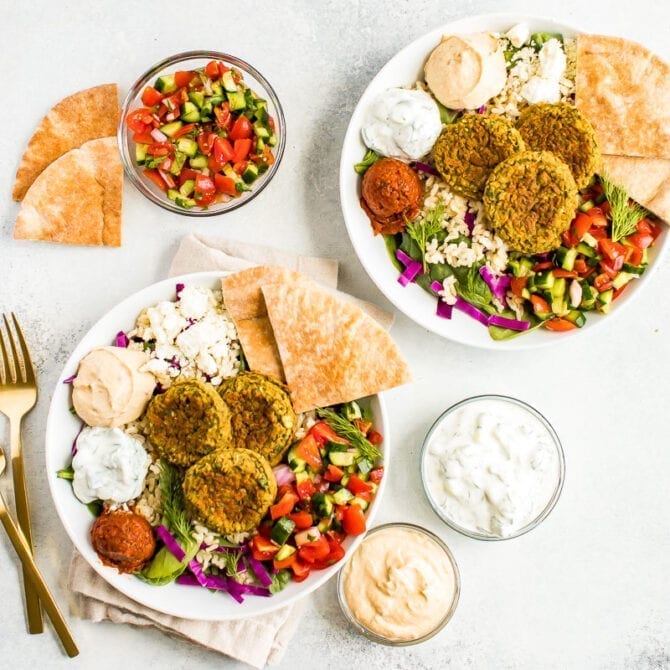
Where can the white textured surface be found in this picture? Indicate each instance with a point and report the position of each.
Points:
(589, 588)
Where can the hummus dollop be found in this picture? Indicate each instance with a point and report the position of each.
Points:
(110, 389)
(466, 71)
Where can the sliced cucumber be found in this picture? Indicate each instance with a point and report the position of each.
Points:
(197, 98)
(190, 112)
(342, 496)
(187, 146)
(141, 153)
(187, 187)
(228, 82)
(250, 174)
(198, 162)
(236, 101)
(170, 129)
(166, 84)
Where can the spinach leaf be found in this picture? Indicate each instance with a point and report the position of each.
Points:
(472, 288)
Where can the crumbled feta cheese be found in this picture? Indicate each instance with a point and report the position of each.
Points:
(544, 85)
(518, 35)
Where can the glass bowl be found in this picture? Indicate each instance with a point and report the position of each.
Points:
(190, 60)
(449, 608)
(470, 532)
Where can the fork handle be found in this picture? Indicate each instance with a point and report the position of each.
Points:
(30, 567)
(34, 612)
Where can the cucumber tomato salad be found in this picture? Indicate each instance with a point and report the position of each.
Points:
(202, 136)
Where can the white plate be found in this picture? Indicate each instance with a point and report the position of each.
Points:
(404, 69)
(182, 601)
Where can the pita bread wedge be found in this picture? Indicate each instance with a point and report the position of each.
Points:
(331, 351)
(77, 199)
(244, 301)
(83, 116)
(647, 180)
(624, 91)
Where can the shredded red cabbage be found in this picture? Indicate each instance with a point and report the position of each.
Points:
(436, 286)
(283, 474)
(424, 167)
(482, 109)
(121, 340)
(469, 220)
(171, 544)
(70, 379)
(444, 310)
(179, 289)
(504, 322)
(196, 569)
(472, 311)
(187, 579)
(260, 571)
(498, 285)
(74, 442)
(412, 268)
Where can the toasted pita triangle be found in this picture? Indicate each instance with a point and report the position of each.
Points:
(646, 180)
(331, 351)
(83, 116)
(624, 91)
(77, 199)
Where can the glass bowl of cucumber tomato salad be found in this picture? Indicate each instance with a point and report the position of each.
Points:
(201, 133)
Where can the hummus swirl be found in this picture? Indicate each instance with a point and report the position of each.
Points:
(109, 389)
(466, 71)
(399, 584)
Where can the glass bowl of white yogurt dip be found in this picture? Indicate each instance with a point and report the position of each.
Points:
(492, 467)
(401, 585)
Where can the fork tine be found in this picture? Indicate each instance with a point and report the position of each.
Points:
(5, 371)
(27, 361)
(17, 365)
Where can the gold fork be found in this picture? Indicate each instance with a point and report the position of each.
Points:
(31, 570)
(18, 395)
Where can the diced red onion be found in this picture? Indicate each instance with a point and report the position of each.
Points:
(283, 474)
(170, 542)
(121, 340)
(444, 310)
(310, 535)
(260, 571)
(504, 322)
(472, 311)
(575, 292)
(167, 178)
(158, 135)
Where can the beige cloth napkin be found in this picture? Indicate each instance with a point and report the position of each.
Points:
(257, 640)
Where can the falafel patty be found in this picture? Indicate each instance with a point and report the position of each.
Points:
(187, 421)
(529, 200)
(562, 129)
(230, 490)
(467, 151)
(263, 418)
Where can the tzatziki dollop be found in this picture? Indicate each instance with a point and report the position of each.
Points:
(402, 123)
(109, 465)
(491, 466)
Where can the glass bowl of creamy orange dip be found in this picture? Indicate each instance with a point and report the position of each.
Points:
(400, 586)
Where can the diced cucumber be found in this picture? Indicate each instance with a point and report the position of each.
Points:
(589, 295)
(272, 140)
(363, 504)
(170, 129)
(250, 174)
(604, 301)
(621, 280)
(282, 530)
(186, 203)
(342, 496)
(342, 458)
(187, 146)
(559, 306)
(165, 84)
(323, 526)
(586, 206)
(228, 81)
(585, 249)
(634, 269)
(260, 145)
(206, 110)
(190, 112)
(544, 280)
(296, 463)
(172, 194)
(187, 187)
(215, 100)
(177, 163)
(576, 317)
(521, 267)
(587, 238)
(141, 153)
(558, 288)
(198, 162)
(351, 411)
(322, 504)
(262, 111)
(217, 89)
(197, 98)
(241, 186)
(262, 168)
(261, 130)
(286, 551)
(236, 101)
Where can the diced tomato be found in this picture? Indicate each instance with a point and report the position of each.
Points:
(517, 284)
(581, 225)
(569, 240)
(363, 425)
(222, 68)
(284, 506)
(598, 233)
(300, 569)
(603, 282)
(540, 305)
(183, 77)
(139, 119)
(636, 256)
(265, 528)
(143, 138)
(156, 179)
(151, 97)
(335, 554)
(205, 142)
(333, 473)
(308, 450)
(566, 274)
(225, 184)
(316, 550)
(544, 265)
(242, 128)
(302, 520)
(365, 495)
(184, 130)
(223, 116)
(286, 562)
(641, 240)
(611, 250)
(241, 150)
(212, 70)
(323, 433)
(263, 549)
(305, 489)
(559, 325)
(353, 520)
(176, 99)
(186, 174)
(204, 184)
(204, 199)
(580, 266)
(617, 292)
(606, 208)
(240, 167)
(377, 474)
(160, 149)
(612, 268)
(339, 512)
(222, 150)
(375, 438)
(598, 218)
(162, 111)
(357, 485)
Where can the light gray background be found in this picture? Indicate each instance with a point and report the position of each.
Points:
(590, 587)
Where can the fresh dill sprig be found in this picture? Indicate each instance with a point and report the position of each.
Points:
(423, 229)
(348, 431)
(231, 561)
(172, 498)
(625, 216)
